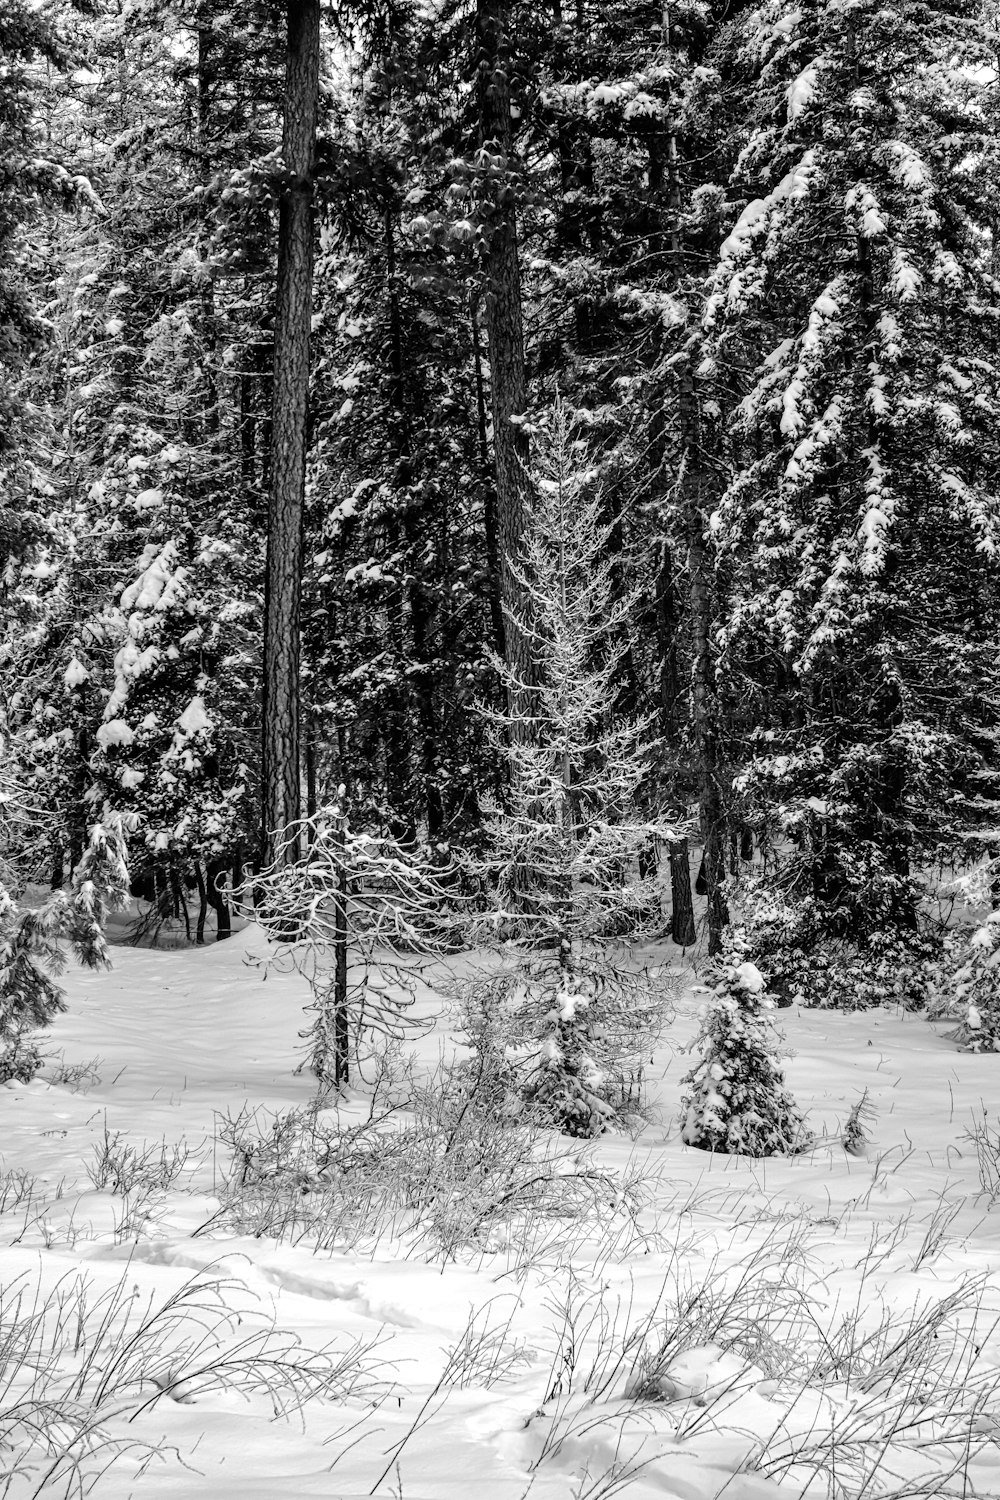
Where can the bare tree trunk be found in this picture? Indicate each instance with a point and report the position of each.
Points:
(311, 804)
(504, 325)
(209, 323)
(703, 720)
(293, 317)
(682, 928)
(215, 872)
(342, 1040)
(202, 903)
(704, 705)
(489, 493)
(56, 854)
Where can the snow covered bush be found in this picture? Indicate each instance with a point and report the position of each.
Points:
(560, 870)
(806, 966)
(31, 946)
(975, 986)
(736, 1101)
(785, 931)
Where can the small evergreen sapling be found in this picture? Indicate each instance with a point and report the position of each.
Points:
(561, 866)
(976, 986)
(736, 1101)
(969, 974)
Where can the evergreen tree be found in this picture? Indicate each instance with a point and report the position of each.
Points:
(851, 340)
(144, 617)
(31, 946)
(736, 1101)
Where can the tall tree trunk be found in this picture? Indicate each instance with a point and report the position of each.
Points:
(703, 723)
(419, 611)
(293, 316)
(209, 323)
(504, 324)
(489, 492)
(342, 1035)
(704, 705)
(202, 903)
(682, 928)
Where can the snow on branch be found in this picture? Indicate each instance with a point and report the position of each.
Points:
(359, 915)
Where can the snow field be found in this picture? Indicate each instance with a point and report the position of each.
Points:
(638, 1319)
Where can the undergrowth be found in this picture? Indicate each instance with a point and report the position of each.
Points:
(79, 1366)
(444, 1174)
(837, 1403)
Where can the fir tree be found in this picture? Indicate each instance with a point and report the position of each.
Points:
(736, 1100)
(851, 339)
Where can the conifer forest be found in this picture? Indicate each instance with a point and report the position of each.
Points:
(500, 749)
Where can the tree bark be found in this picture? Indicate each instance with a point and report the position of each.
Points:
(504, 323)
(202, 903)
(215, 872)
(704, 706)
(293, 317)
(703, 719)
(682, 928)
(342, 1036)
(489, 493)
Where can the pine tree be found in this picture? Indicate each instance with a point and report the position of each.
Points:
(396, 615)
(143, 614)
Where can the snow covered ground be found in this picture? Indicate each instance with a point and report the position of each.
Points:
(821, 1325)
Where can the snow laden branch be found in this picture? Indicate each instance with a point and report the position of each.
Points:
(26, 824)
(564, 841)
(359, 916)
(560, 873)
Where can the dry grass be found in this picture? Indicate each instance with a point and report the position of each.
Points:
(78, 1367)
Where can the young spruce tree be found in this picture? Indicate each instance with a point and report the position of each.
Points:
(736, 1101)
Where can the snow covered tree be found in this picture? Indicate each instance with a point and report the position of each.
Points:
(975, 988)
(136, 679)
(736, 1101)
(851, 339)
(969, 987)
(33, 178)
(31, 945)
(563, 839)
(359, 916)
(397, 606)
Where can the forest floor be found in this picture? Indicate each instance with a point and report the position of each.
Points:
(822, 1325)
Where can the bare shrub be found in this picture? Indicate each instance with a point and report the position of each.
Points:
(447, 1173)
